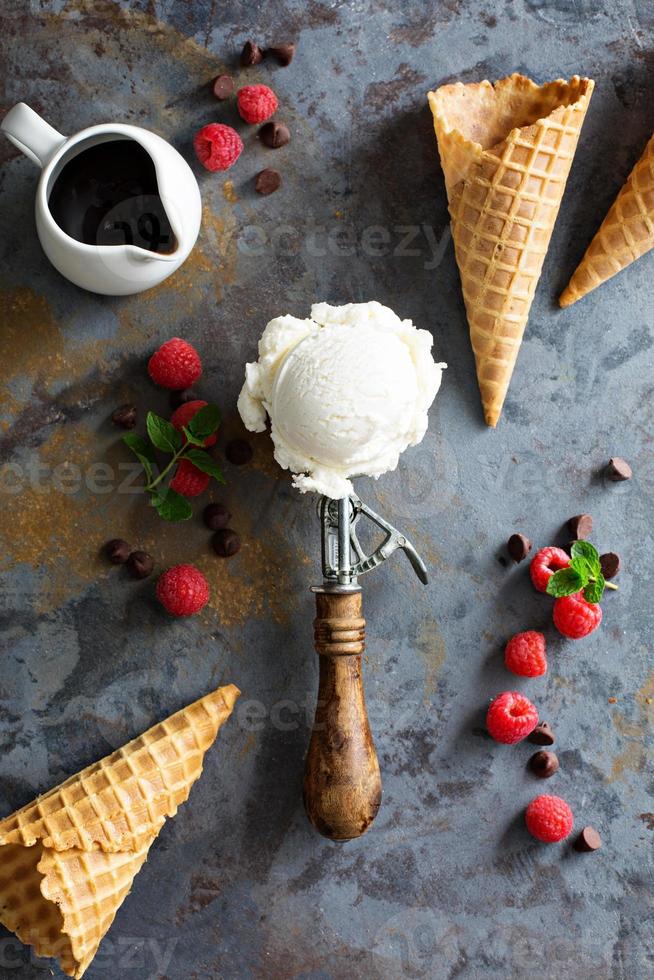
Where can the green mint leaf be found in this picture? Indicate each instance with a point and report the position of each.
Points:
(595, 590)
(138, 445)
(581, 565)
(205, 422)
(584, 549)
(163, 435)
(190, 438)
(142, 450)
(173, 507)
(206, 463)
(566, 581)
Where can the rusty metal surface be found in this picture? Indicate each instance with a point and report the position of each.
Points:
(447, 883)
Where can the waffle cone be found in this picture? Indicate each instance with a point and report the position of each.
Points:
(626, 233)
(506, 150)
(68, 860)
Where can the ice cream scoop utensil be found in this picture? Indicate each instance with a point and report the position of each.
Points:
(342, 781)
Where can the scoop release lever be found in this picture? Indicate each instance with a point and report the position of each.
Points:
(339, 519)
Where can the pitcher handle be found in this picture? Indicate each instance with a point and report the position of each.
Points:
(33, 136)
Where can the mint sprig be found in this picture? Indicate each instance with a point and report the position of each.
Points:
(583, 573)
(163, 436)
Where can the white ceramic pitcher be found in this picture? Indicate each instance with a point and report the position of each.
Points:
(115, 270)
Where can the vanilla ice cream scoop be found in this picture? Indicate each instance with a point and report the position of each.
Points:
(347, 390)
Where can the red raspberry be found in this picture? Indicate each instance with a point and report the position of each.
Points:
(543, 565)
(183, 590)
(549, 819)
(575, 617)
(525, 654)
(256, 103)
(189, 480)
(511, 717)
(217, 146)
(183, 415)
(175, 365)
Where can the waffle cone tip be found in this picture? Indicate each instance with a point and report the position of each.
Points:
(567, 298)
(230, 693)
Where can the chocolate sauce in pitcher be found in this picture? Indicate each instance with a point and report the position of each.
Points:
(108, 195)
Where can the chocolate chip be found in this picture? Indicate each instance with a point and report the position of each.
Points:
(618, 470)
(251, 54)
(216, 516)
(117, 551)
(238, 451)
(140, 564)
(223, 87)
(274, 135)
(178, 398)
(544, 764)
(542, 734)
(226, 543)
(588, 840)
(610, 564)
(580, 527)
(125, 416)
(284, 53)
(268, 181)
(518, 547)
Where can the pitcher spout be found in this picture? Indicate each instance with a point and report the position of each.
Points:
(178, 192)
(145, 255)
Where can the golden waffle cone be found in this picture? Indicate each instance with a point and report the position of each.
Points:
(68, 860)
(626, 233)
(506, 151)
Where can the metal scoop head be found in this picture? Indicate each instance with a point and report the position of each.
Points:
(343, 557)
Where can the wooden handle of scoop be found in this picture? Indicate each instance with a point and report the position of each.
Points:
(342, 783)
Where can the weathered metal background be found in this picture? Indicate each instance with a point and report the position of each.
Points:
(447, 883)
